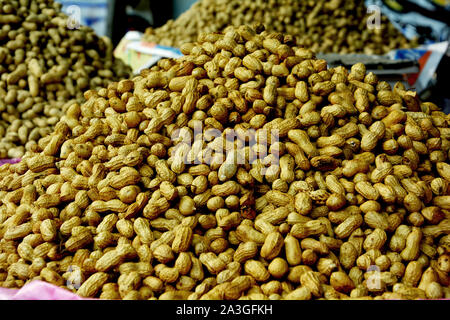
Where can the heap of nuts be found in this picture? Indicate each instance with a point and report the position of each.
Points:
(336, 26)
(247, 169)
(46, 60)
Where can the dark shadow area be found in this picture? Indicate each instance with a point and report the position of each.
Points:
(161, 11)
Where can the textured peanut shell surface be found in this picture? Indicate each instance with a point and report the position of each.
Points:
(246, 169)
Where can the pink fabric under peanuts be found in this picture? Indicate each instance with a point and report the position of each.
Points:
(12, 161)
(38, 290)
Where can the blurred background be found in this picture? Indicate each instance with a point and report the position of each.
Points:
(114, 18)
(426, 20)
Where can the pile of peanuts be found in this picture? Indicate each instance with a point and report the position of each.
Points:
(247, 169)
(45, 61)
(336, 26)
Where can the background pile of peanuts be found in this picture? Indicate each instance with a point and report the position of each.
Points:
(336, 26)
(344, 193)
(45, 62)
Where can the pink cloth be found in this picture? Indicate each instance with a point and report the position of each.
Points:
(3, 161)
(38, 290)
